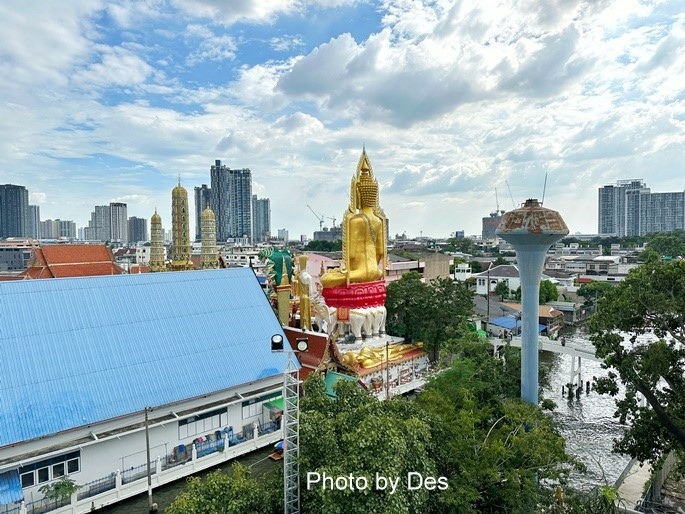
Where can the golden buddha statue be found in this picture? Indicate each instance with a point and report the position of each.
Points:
(364, 237)
(305, 285)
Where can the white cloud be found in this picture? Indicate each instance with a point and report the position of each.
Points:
(210, 47)
(38, 198)
(117, 67)
(452, 99)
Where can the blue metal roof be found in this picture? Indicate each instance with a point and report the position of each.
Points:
(509, 323)
(78, 351)
(10, 487)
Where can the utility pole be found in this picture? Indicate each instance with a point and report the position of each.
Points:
(387, 370)
(151, 506)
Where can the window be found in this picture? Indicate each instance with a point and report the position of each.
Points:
(49, 469)
(28, 479)
(202, 423)
(58, 470)
(43, 475)
(252, 408)
(73, 466)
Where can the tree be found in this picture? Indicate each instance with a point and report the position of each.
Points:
(432, 313)
(356, 435)
(476, 267)
(238, 493)
(593, 291)
(406, 302)
(324, 246)
(502, 290)
(60, 489)
(548, 292)
(639, 331)
(497, 451)
(668, 244)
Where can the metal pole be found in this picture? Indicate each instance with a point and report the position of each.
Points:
(149, 471)
(387, 371)
(487, 292)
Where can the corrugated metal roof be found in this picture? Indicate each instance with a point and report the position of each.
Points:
(82, 350)
(10, 488)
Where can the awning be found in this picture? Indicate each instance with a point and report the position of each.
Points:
(10, 487)
(274, 404)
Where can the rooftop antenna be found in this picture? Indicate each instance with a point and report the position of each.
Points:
(544, 189)
(512, 196)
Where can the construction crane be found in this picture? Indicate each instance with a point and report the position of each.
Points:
(332, 219)
(318, 217)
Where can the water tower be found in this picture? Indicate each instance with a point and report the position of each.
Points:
(531, 230)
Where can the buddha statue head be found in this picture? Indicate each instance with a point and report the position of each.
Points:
(367, 189)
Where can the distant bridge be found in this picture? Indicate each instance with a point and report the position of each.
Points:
(550, 345)
(546, 344)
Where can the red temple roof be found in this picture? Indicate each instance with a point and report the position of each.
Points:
(59, 261)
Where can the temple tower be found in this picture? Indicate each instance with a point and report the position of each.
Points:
(156, 243)
(531, 230)
(209, 256)
(283, 291)
(180, 229)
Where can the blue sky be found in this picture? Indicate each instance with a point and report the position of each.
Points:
(112, 101)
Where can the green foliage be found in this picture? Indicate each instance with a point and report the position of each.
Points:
(502, 290)
(593, 291)
(323, 246)
(359, 435)
(476, 267)
(495, 449)
(548, 292)
(60, 489)
(239, 493)
(431, 312)
(639, 331)
(463, 245)
(500, 261)
(670, 244)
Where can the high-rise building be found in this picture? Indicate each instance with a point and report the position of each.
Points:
(231, 201)
(137, 229)
(283, 234)
(58, 229)
(99, 227)
(33, 222)
(203, 196)
(119, 222)
(14, 211)
(629, 208)
(261, 219)
(180, 227)
(490, 224)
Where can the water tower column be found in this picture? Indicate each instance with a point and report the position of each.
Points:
(531, 230)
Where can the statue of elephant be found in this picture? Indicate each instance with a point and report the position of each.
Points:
(361, 322)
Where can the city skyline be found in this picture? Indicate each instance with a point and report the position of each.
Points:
(107, 102)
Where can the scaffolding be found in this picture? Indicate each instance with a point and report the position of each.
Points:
(291, 439)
